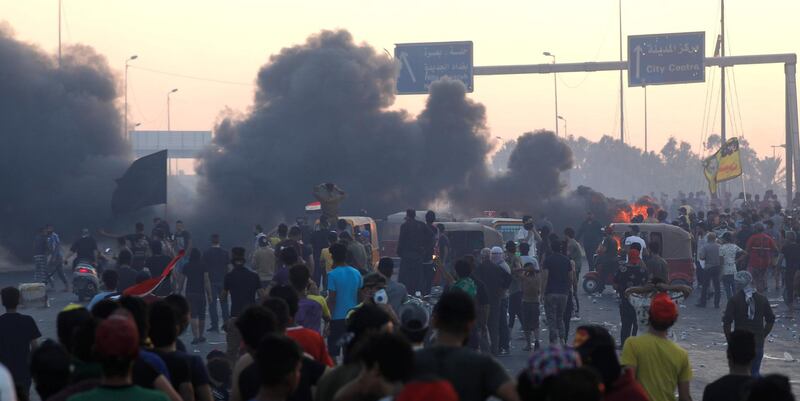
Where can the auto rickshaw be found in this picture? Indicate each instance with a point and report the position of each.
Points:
(468, 238)
(507, 227)
(390, 229)
(676, 249)
(366, 225)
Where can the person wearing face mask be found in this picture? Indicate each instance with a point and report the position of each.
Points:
(750, 311)
(374, 293)
(529, 235)
(632, 273)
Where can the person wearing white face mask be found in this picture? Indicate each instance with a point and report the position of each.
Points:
(374, 292)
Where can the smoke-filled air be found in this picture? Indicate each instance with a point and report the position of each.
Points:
(61, 142)
(321, 114)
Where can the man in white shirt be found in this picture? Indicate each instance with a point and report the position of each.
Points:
(528, 235)
(635, 238)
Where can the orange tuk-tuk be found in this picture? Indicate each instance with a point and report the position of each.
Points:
(362, 224)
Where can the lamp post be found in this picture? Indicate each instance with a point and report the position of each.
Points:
(555, 86)
(565, 125)
(776, 146)
(169, 128)
(125, 127)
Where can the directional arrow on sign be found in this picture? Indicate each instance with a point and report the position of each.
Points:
(404, 57)
(638, 50)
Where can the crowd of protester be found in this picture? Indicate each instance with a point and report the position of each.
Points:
(307, 316)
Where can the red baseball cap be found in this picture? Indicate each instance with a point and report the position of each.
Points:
(117, 336)
(663, 308)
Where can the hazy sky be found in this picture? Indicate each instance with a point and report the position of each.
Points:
(230, 40)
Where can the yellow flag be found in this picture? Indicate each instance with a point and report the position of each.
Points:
(724, 165)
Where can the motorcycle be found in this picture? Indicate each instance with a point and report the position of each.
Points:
(426, 304)
(86, 276)
(85, 283)
(596, 280)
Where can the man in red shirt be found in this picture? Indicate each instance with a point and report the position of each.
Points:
(761, 250)
(312, 342)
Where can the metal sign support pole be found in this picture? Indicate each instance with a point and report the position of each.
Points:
(790, 67)
(792, 154)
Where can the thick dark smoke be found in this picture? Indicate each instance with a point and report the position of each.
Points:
(61, 147)
(320, 115)
(533, 183)
(533, 176)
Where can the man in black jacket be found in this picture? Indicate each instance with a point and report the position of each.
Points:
(411, 248)
(750, 311)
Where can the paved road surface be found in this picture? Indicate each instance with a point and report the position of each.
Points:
(698, 330)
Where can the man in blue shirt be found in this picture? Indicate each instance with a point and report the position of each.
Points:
(344, 281)
(110, 281)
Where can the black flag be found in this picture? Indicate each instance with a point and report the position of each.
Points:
(143, 184)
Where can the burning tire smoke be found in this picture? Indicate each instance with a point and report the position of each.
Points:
(61, 145)
(320, 115)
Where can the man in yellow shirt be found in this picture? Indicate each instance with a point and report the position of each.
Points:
(326, 261)
(660, 364)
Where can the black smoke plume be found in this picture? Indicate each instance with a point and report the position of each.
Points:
(320, 115)
(532, 177)
(61, 143)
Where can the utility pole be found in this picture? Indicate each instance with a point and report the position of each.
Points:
(125, 127)
(555, 88)
(621, 95)
(59, 33)
(645, 119)
(169, 127)
(722, 131)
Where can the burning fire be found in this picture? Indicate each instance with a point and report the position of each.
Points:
(626, 214)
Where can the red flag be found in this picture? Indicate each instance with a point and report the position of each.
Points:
(146, 287)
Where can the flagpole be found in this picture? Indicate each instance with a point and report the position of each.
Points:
(166, 191)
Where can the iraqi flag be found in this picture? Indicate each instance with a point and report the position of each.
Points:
(146, 287)
(313, 207)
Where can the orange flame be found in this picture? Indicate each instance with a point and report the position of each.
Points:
(625, 215)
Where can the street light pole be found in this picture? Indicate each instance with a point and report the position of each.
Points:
(169, 128)
(125, 126)
(59, 33)
(565, 125)
(645, 119)
(621, 93)
(555, 87)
